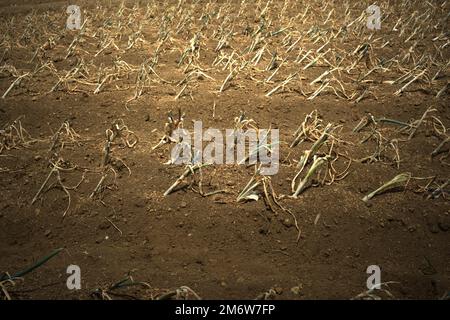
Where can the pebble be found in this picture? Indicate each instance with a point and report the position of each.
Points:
(287, 223)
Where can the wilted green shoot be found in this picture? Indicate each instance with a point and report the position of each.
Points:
(6, 278)
(398, 181)
(36, 265)
(393, 121)
(247, 193)
(316, 146)
(124, 283)
(304, 183)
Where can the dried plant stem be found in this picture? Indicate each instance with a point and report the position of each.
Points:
(15, 82)
(399, 180)
(189, 170)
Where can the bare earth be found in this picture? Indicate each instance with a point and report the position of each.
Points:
(125, 64)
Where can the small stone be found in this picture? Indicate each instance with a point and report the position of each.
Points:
(287, 223)
(183, 204)
(48, 232)
(37, 158)
(147, 118)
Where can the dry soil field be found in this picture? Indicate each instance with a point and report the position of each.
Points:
(85, 143)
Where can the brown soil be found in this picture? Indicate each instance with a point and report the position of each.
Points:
(218, 247)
